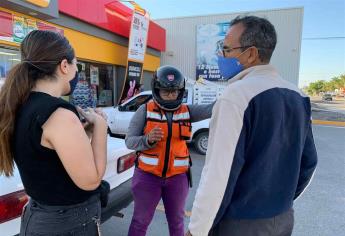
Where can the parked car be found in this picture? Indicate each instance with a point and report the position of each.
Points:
(120, 116)
(327, 97)
(119, 172)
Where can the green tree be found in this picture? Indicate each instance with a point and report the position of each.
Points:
(326, 86)
(330, 85)
(336, 82)
(341, 81)
(317, 87)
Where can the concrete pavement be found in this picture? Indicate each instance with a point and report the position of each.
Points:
(320, 211)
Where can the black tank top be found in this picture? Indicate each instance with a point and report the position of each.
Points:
(43, 175)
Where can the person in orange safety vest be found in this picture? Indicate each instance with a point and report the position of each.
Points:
(158, 132)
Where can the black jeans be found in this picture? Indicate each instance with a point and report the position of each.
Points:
(74, 220)
(280, 225)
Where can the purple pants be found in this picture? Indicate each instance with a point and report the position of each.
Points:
(147, 191)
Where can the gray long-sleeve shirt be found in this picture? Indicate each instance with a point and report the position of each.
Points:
(135, 138)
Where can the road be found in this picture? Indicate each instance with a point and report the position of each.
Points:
(336, 105)
(320, 211)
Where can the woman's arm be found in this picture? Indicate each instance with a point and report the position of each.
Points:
(84, 162)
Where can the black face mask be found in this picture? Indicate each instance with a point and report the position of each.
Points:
(73, 83)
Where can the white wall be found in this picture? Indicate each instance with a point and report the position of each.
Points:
(181, 39)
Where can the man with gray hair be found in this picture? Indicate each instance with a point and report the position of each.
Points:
(261, 153)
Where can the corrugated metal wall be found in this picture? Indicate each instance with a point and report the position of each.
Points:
(181, 39)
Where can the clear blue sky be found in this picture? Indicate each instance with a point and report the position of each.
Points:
(323, 38)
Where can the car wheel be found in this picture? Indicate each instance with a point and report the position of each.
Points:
(201, 142)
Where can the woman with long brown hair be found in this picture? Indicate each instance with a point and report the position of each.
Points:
(41, 133)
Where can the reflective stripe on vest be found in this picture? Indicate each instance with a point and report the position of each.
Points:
(154, 115)
(181, 116)
(181, 162)
(149, 160)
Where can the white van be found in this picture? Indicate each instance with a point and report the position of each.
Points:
(120, 116)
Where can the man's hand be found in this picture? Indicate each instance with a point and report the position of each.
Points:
(188, 233)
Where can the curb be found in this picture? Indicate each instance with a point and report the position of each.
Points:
(327, 122)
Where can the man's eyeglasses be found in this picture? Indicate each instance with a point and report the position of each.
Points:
(227, 49)
(166, 92)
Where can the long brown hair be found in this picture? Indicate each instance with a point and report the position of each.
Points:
(41, 53)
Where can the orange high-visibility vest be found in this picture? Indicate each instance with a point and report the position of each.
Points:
(170, 156)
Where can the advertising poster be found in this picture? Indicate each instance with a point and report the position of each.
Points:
(138, 37)
(133, 76)
(94, 75)
(14, 28)
(209, 44)
(204, 95)
(136, 54)
(19, 29)
(31, 25)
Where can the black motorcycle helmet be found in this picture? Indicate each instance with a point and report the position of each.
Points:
(170, 78)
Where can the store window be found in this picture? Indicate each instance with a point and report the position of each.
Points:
(95, 87)
(8, 58)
